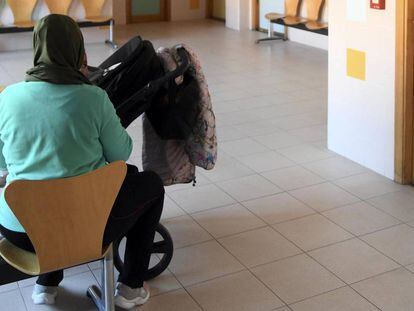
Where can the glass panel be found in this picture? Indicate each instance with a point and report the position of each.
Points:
(146, 7)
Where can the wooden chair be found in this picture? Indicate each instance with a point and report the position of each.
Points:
(314, 10)
(58, 6)
(93, 10)
(291, 17)
(65, 219)
(93, 14)
(22, 12)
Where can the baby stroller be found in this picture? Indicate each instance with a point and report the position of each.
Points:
(134, 78)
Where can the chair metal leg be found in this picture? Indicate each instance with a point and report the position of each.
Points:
(104, 297)
(270, 35)
(111, 41)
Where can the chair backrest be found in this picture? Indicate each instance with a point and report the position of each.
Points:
(314, 9)
(58, 6)
(292, 7)
(22, 9)
(93, 8)
(65, 218)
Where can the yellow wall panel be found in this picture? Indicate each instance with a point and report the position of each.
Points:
(219, 9)
(356, 64)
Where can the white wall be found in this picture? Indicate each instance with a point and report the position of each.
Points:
(238, 14)
(297, 35)
(361, 113)
(180, 10)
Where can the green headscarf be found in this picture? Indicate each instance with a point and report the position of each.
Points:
(58, 51)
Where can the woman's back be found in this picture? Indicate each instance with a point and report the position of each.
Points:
(53, 130)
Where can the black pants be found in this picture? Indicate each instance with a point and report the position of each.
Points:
(136, 214)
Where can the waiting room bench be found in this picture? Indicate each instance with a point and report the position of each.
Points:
(23, 9)
(292, 19)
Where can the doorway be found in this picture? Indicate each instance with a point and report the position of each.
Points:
(139, 11)
(404, 112)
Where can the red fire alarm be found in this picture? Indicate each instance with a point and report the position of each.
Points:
(378, 4)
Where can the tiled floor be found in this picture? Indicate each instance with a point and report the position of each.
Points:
(281, 223)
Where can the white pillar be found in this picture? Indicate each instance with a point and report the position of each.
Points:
(238, 14)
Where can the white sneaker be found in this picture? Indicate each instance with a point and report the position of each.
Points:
(44, 295)
(128, 298)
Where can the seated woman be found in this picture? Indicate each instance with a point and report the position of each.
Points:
(56, 124)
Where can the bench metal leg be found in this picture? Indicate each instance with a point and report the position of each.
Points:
(104, 297)
(111, 41)
(271, 36)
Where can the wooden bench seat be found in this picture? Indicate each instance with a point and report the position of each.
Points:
(23, 9)
(292, 19)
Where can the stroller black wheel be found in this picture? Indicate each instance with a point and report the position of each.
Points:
(163, 248)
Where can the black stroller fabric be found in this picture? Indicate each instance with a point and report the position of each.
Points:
(138, 65)
(135, 81)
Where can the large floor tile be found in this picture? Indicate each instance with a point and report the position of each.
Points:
(312, 232)
(268, 161)
(335, 168)
(201, 262)
(228, 133)
(311, 134)
(242, 147)
(278, 208)
(236, 292)
(353, 260)
(293, 178)
(201, 198)
(343, 299)
(302, 120)
(368, 185)
(178, 300)
(171, 209)
(185, 231)
(259, 128)
(392, 291)
(399, 204)
(410, 267)
(12, 300)
(297, 278)
(395, 242)
(259, 246)
(72, 293)
(228, 168)
(324, 196)
(249, 187)
(228, 220)
(361, 218)
(304, 153)
(278, 140)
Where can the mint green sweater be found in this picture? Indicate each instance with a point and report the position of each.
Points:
(50, 131)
